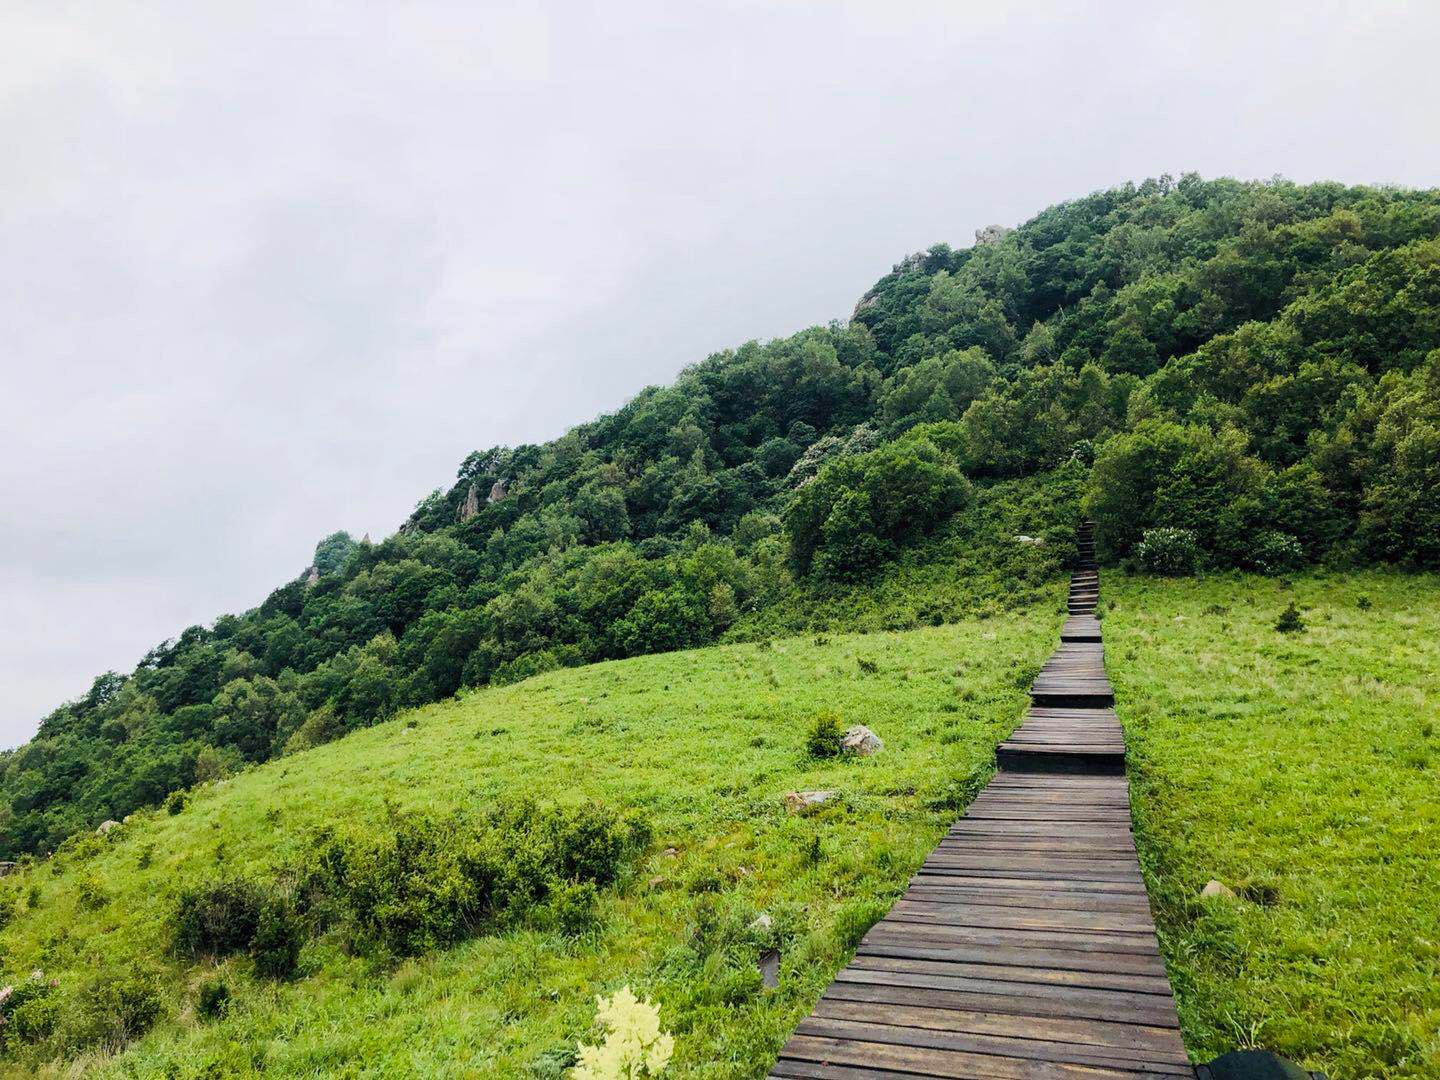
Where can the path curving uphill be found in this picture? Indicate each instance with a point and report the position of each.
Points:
(1024, 945)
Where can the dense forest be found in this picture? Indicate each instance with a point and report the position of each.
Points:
(1231, 374)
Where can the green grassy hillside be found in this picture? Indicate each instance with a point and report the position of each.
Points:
(1301, 769)
(1297, 768)
(704, 744)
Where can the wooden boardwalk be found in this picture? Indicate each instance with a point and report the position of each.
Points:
(1024, 946)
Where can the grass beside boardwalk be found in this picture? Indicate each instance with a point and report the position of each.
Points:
(705, 743)
(1302, 770)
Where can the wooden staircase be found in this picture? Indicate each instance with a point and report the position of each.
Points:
(1024, 945)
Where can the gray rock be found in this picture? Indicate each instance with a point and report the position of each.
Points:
(991, 234)
(497, 491)
(105, 826)
(806, 800)
(1215, 888)
(761, 923)
(312, 577)
(470, 507)
(769, 965)
(7, 868)
(861, 740)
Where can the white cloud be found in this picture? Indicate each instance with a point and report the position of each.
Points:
(273, 269)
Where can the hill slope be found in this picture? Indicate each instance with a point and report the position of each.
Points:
(704, 745)
(1257, 364)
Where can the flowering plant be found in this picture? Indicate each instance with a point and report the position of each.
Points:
(634, 1046)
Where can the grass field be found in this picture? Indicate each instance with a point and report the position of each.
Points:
(1299, 769)
(706, 744)
(1302, 770)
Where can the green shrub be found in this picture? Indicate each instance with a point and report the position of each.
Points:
(116, 1006)
(1290, 621)
(860, 509)
(213, 998)
(29, 1012)
(90, 892)
(1172, 552)
(217, 919)
(1276, 552)
(422, 882)
(823, 740)
(238, 916)
(279, 936)
(175, 801)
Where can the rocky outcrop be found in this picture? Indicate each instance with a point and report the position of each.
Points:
(105, 826)
(497, 491)
(991, 234)
(470, 507)
(312, 577)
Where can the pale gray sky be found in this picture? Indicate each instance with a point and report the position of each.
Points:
(272, 269)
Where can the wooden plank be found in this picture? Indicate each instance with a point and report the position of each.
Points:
(826, 1023)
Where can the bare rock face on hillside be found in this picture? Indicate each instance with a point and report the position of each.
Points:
(991, 234)
(497, 492)
(861, 740)
(470, 507)
(312, 577)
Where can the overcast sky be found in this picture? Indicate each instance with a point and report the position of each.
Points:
(270, 270)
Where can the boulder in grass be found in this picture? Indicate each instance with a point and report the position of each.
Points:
(861, 740)
(1215, 889)
(807, 800)
(105, 826)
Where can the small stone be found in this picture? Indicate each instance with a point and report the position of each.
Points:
(105, 826)
(770, 969)
(805, 800)
(670, 852)
(861, 740)
(1215, 888)
(1023, 539)
(762, 922)
(657, 881)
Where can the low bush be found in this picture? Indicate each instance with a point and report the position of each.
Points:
(29, 1011)
(1290, 621)
(237, 916)
(115, 1007)
(424, 882)
(217, 919)
(212, 1001)
(823, 740)
(1173, 552)
(1276, 553)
